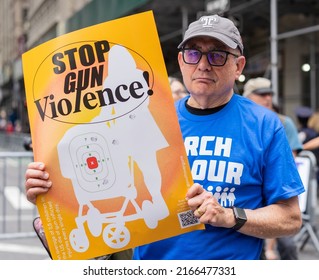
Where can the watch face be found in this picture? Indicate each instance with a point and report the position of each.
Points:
(240, 217)
(240, 214)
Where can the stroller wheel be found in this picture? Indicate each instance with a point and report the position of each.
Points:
(116, 236)
(79, 240)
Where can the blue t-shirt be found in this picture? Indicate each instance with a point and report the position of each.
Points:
(291, 133)
(240, 154)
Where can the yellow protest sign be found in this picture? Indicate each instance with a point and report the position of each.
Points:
(103, 121)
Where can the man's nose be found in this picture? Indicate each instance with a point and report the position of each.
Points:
(203, 64)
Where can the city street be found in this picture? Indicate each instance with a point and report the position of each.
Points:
(31, 249)
(22, 249)
(17, 239)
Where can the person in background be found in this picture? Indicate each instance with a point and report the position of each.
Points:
(312, 144)
(177, 87)
(246, 183)
(313, 121)
(3, 120)
(259, 90)
(305, 133)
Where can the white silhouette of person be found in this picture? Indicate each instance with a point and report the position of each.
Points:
(231, 197)
(223, 197)
(139, 144)
(210, 189)
(217, 193)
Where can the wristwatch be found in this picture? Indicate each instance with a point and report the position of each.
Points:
(240, 217)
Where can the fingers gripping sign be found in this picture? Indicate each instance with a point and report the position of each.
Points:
(206, 208)
(36, 181)
(197, 197)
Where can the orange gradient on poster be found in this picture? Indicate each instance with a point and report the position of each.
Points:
(103, 121)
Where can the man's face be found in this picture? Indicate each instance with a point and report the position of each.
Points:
(202, 79)
(263, 100)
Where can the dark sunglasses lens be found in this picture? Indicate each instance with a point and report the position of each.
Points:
(216, 58)
(192, 56)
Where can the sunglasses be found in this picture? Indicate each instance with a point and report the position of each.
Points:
(215, 58)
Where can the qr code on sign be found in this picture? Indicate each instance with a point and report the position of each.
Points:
(187, 219)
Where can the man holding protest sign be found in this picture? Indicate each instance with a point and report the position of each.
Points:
(245, 189)
(246, 182)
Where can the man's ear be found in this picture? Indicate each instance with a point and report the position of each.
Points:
(241, 62)
(180, 59)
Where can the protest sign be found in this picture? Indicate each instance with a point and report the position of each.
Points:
(103, 121)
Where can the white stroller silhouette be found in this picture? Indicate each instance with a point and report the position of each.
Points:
(98, 157)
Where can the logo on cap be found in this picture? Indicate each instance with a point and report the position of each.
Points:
(208, 21)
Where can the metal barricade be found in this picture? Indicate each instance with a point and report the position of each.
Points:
(16, 213)
(307, 167)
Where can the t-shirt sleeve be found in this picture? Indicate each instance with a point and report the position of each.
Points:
(281, 177)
